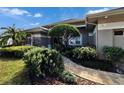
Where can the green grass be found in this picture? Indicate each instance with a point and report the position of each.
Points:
(13, 72)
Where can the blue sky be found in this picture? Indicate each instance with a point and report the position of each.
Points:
(29, 17)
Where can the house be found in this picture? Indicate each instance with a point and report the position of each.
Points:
(107, 28)
(39, 35)
(99, 29)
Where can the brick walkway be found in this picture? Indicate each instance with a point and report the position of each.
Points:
(92, 74)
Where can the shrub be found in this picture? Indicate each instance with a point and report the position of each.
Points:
(16, 51)
(67, 51)
(84, 53)
(113, 53)
(44, 62)
(67, 77)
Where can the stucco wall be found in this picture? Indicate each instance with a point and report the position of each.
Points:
(105, 38)
(119, 41)
(114, 25)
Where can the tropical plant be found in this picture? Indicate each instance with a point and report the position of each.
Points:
(17, 35)
(65, 31)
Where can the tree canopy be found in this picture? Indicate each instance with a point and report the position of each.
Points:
(62, 29)
(65, 31)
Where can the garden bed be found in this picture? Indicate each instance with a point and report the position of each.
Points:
(102, 65)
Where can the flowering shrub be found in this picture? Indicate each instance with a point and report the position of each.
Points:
(84, 53)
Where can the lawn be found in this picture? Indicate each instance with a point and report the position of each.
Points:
(13, 72)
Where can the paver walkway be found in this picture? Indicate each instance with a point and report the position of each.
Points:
(92, 74)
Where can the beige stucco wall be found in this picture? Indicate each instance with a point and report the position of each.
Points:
(104, 38)
(36, 35)
(114, 25)
(39, 35)
(119, 41)
(105, 34)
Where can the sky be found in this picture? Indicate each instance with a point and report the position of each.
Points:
(29, 17)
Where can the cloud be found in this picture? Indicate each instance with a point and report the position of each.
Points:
(34, 24)
(97, 11)
(14, 11)
(38, 15)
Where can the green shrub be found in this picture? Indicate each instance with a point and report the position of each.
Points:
(43, 62)
(16, 51)
(84, 53)
(67, 77)
(113, 53)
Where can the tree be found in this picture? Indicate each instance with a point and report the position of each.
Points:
(65, 31)
(17, 35)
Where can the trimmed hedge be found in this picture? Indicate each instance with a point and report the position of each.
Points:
(84, 53)
(43, 62)
(113, 53)
(14, 51)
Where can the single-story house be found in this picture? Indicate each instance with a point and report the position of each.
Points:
(107, 28)
(39, 35)
(99, 29)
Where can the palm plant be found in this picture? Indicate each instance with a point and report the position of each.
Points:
(17, 35)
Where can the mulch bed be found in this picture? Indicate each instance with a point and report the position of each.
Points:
(83, 81)
(55, 81)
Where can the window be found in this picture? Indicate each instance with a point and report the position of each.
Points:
(75, 41)
(120, 32)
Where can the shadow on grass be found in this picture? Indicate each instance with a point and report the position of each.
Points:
(7, 59)
(21, 78)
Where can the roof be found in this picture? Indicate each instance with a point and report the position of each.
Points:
(37, 29)
(75, 22)
(106, 13)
